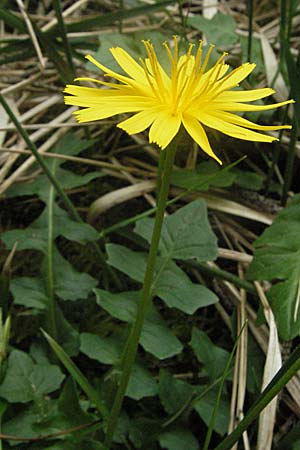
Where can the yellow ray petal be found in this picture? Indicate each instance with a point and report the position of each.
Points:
(241, 121)
(235, 77)
(228, 106)
(197, 132)
(128, 64)
(103, 110)
(139, 122)
(244, 96)
(230, 129)
(139, 86)
(82, 91)
(164, 128)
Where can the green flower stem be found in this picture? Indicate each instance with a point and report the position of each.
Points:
(131, 346)
(50, 270)
(287, 371)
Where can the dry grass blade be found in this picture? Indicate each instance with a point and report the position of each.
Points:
(240, 369)
(230, 207)
(272, 365)
(118, 196)
(43, 148)
(32, 34)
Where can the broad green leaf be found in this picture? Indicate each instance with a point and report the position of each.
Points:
(178, 438)
(141, 383)
(29, 292)
(156, 337)
(87, 444)
(68, 283)
(40, 186)
(220, 29)
(35, 235)
(32, 293)
(106, 350)
(27, 422)
(204, 407)
(127, 261)
(178, 291)
(185, 234)
(248, 180)
(25, 381)
(50, 416)
(206, 174)
(132, 43)
(174, 394)
(213, 358)
(276, 257)
(170, 283)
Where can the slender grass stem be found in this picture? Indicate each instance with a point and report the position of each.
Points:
(250, 28)
(131, 346)
(288, 173)
(63, 33)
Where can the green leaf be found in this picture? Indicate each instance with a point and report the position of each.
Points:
(206, 174)
(106, 350)
(35, 235)
(178, 439)
(25, 381)
(205, 406)
(249, 180)
(276, 257)
(132, 43)
(219, 30)
(66, 278)
(185, 234)
(29, 292)
(141, 383)
(156, 337)
(171, 284)
(214, 358)
(174, 394)
(40, 186)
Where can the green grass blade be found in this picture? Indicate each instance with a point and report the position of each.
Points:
(63, 34)
(12, 20)
(78, 376)
(250, 28)
(110, 18)
(50, 47)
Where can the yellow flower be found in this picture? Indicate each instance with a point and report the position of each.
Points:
(189, 95)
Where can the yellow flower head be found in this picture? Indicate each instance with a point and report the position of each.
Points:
(190, 95)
